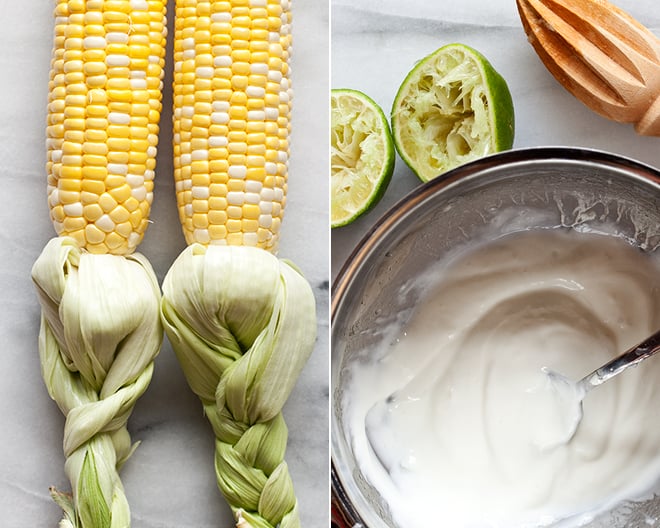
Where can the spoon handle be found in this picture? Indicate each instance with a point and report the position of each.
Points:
(638, 353)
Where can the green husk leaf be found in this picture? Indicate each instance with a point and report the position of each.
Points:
(277, 497)
(94, 510)
(65, 501)
(246, 519)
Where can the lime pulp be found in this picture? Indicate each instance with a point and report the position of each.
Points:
(362, 155)
(453, 107)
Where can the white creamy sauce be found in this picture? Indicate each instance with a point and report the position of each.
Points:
(459, 419)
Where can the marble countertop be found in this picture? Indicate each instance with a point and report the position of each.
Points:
(376, 42)
(169, 481)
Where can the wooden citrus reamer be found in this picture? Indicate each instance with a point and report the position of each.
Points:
(599, 53)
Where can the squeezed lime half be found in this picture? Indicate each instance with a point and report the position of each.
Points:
(362, 156)
(453, 107)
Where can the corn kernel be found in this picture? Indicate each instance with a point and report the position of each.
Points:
(124, 229)
(120, 193)
(92, 212)
(107, 202)
(249, 225)
(93, 234)
(115, 241)
(136, 218)
(234, 238)
(217, 231)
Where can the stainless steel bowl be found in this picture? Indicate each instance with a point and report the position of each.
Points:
(512, 191)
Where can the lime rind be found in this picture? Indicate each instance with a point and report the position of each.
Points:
(362, 155)
(453, 107)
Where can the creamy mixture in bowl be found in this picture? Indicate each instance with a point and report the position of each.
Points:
(459, 414)
(445, 322)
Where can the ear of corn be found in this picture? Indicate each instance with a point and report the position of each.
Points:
(100, 328)
(103, 112)
(232, 100)
(242, 322)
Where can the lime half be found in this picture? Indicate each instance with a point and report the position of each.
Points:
(452, 107)
(362, 157)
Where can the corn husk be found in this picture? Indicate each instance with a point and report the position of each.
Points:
(100, 332)
(243, 323)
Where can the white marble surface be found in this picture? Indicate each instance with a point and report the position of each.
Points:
(376, 42)
(170, 479)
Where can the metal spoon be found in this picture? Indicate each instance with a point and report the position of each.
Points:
(567, 394)
(573, 393)
(599, 53)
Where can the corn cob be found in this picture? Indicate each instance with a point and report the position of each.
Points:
(232, 101)
(242, 322)
(103, 113)
(100, 326)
